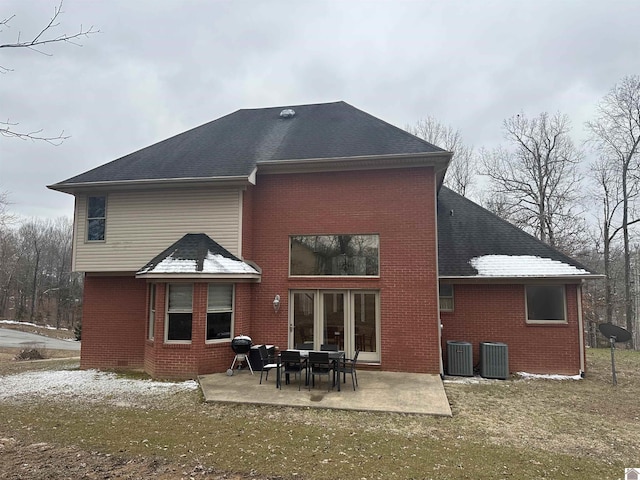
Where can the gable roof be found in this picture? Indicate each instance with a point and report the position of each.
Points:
(196, 255)
(234, 145)
(475, 243)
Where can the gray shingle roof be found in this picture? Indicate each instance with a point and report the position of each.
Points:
(233, 145)
(466, 230)
(197, 253)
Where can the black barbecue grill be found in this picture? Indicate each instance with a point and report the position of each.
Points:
(241, 345)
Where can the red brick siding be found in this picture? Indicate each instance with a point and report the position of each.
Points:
(496, 313)
(399, 205)
(113, 326)
(166, 360)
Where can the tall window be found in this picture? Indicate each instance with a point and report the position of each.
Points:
(152, 310)
(546, 304)
(179, 313)
(96, 218)
(219, 311)
(355, 255)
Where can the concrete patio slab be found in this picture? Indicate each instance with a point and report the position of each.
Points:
(377, 392)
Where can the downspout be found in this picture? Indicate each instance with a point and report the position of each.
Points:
(580, 328)
(435, 193)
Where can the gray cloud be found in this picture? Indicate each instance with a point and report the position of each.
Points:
(161, 67)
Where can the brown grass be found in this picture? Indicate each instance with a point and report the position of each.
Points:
(583, 429)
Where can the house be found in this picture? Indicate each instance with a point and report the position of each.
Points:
(308, 224)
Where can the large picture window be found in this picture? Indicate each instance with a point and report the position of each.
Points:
(546, 304)
(96, 218)
(356, 255)
(179, 313)
(219, 311)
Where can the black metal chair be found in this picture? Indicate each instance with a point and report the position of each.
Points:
(292, 362)
(329, 347)
(267, 364)
(304, 346)
(349, 366)
(320, 365)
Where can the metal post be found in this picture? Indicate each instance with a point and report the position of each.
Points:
(612, 341)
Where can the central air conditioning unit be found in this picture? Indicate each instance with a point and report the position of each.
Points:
(459, 358)
(494, 360)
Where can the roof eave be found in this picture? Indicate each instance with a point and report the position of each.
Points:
(153, 183)
(249, 277)
(521, 279)
(439, 160)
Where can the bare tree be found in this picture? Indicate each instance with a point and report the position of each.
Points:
(615, 132)
(536, 178)
(462, 170)
(39, 42)
(609, 193)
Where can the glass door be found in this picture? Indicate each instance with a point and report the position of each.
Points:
(302, 323)
(349, 319)
(333, 319)
(364, 325)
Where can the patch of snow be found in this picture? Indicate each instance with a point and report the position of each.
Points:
(212, 264)
(87, 385)
(533, 376)
(219, 264)
(470, 380)
(15, 322)
(522, 266)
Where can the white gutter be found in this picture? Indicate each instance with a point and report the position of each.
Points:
(150, 183)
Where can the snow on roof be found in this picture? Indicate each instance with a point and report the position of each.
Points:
(522, 266)
(219, 264)
(213, 264)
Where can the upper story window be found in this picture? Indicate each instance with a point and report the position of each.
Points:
(546, 304)
(354, 255)
(96, 218)
(446, 297)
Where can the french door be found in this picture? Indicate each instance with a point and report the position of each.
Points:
(349, 319)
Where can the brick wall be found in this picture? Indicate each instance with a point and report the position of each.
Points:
(398, 205)
(170, 360)
(496, 313)
(113, 327)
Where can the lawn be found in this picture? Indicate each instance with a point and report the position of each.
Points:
(500, 429)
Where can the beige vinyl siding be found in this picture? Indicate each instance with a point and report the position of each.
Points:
(140, 225)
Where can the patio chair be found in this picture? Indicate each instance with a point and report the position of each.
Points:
(349, 366)
(320, 365)
(292, 362)
(267, 365)
(304, 346)
(329, 347)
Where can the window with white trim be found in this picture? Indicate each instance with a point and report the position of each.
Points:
(446, 297)
(152, 311)
(96, 218)
(179, 313)
(546, 304)
(334, 255)
(219, 311)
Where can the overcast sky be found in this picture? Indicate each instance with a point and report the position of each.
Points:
(161, 67)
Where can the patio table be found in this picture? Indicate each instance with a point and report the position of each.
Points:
(334, 357)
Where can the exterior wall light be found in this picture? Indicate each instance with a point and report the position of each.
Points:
(276, 303)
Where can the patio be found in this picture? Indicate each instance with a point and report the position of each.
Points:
(377, 392)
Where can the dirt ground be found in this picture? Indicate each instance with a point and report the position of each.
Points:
(46, 461)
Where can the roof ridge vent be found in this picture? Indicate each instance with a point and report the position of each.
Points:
(287, 113)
